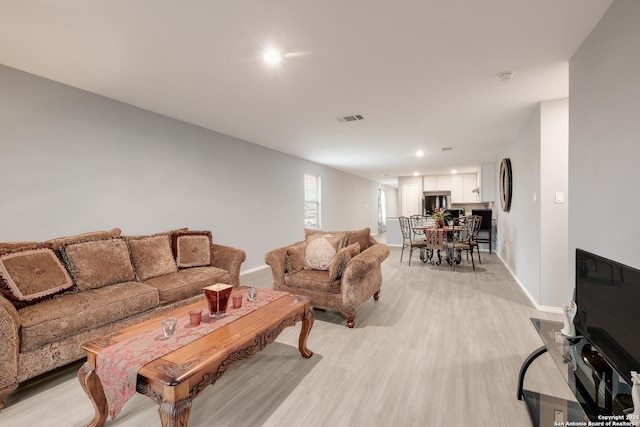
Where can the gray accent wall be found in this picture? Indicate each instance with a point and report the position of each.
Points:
(72, 162)
(604, 129)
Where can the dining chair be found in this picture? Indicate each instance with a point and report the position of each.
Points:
(485, 227)
(474, 241)
(418, 220)
(407, 238)
(461, 241)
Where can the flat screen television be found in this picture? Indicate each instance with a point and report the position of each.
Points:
(608, 297)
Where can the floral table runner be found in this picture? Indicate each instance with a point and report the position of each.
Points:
(117, 366)
(435, 237)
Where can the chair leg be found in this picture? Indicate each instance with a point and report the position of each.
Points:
(479, 255)
(351, 319)
(472, 263)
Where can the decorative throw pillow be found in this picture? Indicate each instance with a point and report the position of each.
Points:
(192, 248)
(295, 257)
(359, 236)
(98, 263)
(321, 249)
(337, 266)
(31, 275)
(59, 242)
(152, 256)
(12, 246)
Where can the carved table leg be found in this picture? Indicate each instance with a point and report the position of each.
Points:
(91, 384)
(175, 414)
(307, 323)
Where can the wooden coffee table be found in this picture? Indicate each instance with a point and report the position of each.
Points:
(175, 379)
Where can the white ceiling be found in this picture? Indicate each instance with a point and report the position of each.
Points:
(423, 73)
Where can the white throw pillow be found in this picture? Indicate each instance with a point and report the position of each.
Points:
(321, 250)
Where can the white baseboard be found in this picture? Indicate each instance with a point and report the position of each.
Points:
(252, 270)
(538, 307)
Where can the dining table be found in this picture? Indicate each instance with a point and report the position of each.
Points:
(436, 238)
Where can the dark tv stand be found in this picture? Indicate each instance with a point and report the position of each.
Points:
(598, 389)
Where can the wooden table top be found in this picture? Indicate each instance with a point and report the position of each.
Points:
(209, 347)
(175, 379)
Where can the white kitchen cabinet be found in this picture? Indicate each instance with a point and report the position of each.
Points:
(445, 182)
(457, 188)
(430, 183)
(470, 181)
(436, 183)
(462, 188)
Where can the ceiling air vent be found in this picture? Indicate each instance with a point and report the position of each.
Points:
(446, 149)
(353, 118)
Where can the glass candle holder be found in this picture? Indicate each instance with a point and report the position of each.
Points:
(237, 300)
(252, 293)
(195, 317)
(169, 326)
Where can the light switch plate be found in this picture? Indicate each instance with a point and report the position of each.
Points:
(560, 197)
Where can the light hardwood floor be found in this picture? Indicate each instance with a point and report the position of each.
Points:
(440, 348)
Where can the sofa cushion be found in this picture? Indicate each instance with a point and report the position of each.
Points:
(353, 236)
(31, 275)
(152, 256)
(98, 263)
(70, 314)
(344, 255)
(59, 242)
(187, 283)
(316, 280)
(192, 248)
(321, 249)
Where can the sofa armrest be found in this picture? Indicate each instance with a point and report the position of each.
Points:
(362, 275)
(230, 259)
(9, 344)
(276, 258)
(368, 259)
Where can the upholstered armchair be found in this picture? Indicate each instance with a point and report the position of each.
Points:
(340, 271)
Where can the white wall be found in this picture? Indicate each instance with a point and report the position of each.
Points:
(532, 236)
(555, 288)
(72, 162)
(519, 229)
(604, 135)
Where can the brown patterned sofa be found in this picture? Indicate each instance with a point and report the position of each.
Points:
(339, 270)
(59, 294)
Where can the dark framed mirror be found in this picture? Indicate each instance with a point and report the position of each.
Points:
(506, 184)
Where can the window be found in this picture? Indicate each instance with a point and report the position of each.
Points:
(312, 201)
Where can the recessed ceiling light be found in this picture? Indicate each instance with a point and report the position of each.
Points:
(505, 76)
(415, 174)
(272, 56)
(454, 171)
(419, 153)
